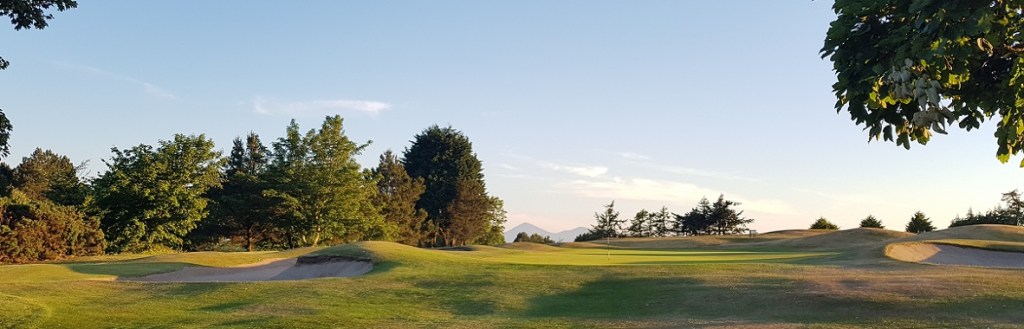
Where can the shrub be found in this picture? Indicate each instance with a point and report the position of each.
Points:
(36, 230)
(823, 224)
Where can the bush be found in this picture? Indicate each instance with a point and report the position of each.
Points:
(823, 224)
(920, 224)
(36, 230)
(872, 222)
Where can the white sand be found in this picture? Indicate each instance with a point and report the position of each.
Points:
(269, 270)
(943, 254)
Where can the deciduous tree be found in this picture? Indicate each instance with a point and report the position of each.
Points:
(320, 191)
(48, 175)
(907, 68)
(152, 198)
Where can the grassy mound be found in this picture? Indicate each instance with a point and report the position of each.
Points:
(991, 232)
(845, 239)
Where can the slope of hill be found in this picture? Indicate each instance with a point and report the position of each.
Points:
(563, 236)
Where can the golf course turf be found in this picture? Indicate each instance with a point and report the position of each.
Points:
(823, 279)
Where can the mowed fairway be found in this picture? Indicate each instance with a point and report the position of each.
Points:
(778, 283)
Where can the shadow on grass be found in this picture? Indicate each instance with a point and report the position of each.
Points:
(765, 301)
(125, 269)
(464, 295)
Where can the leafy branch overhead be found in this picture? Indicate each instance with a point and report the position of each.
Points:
(27, 14)
(908, 68)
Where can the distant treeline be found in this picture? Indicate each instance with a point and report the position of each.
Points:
(1009, 213)
(707, 218)
(305, 189)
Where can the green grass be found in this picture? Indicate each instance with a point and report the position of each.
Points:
(525, 286)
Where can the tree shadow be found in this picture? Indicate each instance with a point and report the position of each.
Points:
(463, 295)
(765, 301)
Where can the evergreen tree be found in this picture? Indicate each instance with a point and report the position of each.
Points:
(152, 198)
(871, 221)
(726, 220)
(919, 223)
(823, 224)
(695, 222)
(47, 175)
(608, 223)
(640, 223)
(454, 180)
(1014, 211)
(320, 192)
(397, 194)
(660, 222)
(239, 208)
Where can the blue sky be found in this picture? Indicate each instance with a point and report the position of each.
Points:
(569, 104)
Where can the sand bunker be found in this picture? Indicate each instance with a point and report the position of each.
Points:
(944, 254)
(270, 270)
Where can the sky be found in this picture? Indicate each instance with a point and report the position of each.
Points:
(569, 104)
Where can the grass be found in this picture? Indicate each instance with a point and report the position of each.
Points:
(747, 285)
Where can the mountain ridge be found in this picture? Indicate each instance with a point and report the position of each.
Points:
(562, 236)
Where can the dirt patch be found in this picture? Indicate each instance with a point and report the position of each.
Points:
(301, 268)
(944, 254)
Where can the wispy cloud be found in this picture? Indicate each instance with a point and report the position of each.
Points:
(634, 156)
(672, 192)
(148, 88)
(701, 172)
(586, 171)
(314, 108)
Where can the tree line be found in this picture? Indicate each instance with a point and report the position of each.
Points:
(304, 189)
(1010, 213)
(707, 218)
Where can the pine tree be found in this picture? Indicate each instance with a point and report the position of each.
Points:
(640, 223)
(239, 208)
(919, 223)
(823, 224)
(608, 223)
(726, 220)
(871, 221)
(659, 222)
(397, 194)
(455, 195)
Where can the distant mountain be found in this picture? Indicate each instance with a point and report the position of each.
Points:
(563, 236)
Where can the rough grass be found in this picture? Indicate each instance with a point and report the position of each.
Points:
(748, 286)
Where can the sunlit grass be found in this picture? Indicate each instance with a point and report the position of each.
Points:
(526, 286)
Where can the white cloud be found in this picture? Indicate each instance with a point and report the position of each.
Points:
(634, 156)
(148, 88)
(314, 108)
(673, 192)
(701, 172)
(586, 171)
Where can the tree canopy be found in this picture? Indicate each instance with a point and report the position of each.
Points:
(907, 68)
(919, 223)
(151, 198)
(823, 224)
(323, 194)
(455, 198)
(871, 222)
